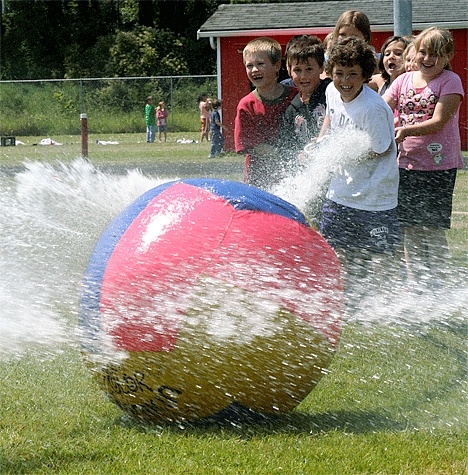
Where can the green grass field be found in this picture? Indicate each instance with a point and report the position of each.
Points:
(394, 401)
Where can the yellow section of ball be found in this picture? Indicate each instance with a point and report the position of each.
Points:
(171, 386)
(233, 345)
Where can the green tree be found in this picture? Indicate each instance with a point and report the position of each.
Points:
(146, 51)
(91, 38)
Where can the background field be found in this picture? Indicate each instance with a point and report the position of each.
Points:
(394, 400)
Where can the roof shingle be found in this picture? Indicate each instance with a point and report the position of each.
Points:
(230, 19)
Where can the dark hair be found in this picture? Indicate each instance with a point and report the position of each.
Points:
(350, 51)
(303, 47)
(389, 41)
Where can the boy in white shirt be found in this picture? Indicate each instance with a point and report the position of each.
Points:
(359, 216)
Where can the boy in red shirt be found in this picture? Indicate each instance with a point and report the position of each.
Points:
(259, 113)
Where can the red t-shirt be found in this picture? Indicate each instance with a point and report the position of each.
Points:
(258, 122)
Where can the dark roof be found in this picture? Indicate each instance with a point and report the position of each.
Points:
(241, 19)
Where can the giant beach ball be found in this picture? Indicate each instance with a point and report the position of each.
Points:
(205, 293)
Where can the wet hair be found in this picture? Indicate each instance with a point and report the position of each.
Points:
(296, 39)
(350, 51)
(303, 48)
(438, 42)
(266, 45)
(393, 39)
(354, 18)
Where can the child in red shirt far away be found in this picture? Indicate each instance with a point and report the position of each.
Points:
(259, 113)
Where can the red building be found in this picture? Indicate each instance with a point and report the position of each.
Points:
(232, 26)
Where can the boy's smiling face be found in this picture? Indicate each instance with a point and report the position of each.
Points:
(348, 80)
(306, 75)
(262, 73)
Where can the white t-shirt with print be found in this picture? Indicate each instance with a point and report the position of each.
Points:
(369, 184)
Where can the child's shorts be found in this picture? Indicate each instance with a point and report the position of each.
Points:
(162, 128)
(425, 198)
(351, 228)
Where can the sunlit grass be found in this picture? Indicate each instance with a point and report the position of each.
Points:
(394, 402)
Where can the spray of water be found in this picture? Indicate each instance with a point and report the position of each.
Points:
(51, 218)
(318, 163)
(397, 302)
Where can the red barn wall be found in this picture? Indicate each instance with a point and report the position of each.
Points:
(235, 85)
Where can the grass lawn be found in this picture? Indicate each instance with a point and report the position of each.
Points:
(394, 401)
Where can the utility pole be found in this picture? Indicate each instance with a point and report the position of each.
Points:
(402, 17)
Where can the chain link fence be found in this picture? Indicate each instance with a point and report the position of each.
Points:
(113, 105)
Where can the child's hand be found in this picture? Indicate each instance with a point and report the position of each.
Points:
(310, 147)
(400, 134)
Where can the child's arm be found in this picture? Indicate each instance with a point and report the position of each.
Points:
(315, 140)
(376, 82)
(445, 108)
(325, 126)
(390, 101)
(382, 139)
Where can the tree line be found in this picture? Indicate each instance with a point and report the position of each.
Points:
(67, 39)
(60, 39)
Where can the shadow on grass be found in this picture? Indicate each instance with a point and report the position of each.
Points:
(239, 420)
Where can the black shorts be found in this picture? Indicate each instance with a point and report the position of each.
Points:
(425, 197)
(351, 228)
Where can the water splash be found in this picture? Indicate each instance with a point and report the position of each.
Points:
(51, 218)
(396, 302)
(318, 163)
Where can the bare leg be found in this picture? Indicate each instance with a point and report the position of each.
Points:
(367, 274)
(427, 255)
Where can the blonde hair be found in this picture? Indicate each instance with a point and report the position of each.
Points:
(327, 40)
(357, 19)
(266, 45)
(437, 41)
(408, 50)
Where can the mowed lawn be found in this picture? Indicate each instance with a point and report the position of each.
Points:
(394, 400)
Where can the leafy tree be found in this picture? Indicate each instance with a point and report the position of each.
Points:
(83, 38)
(146, 51)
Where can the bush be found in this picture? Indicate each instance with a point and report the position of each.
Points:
(113, 105)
